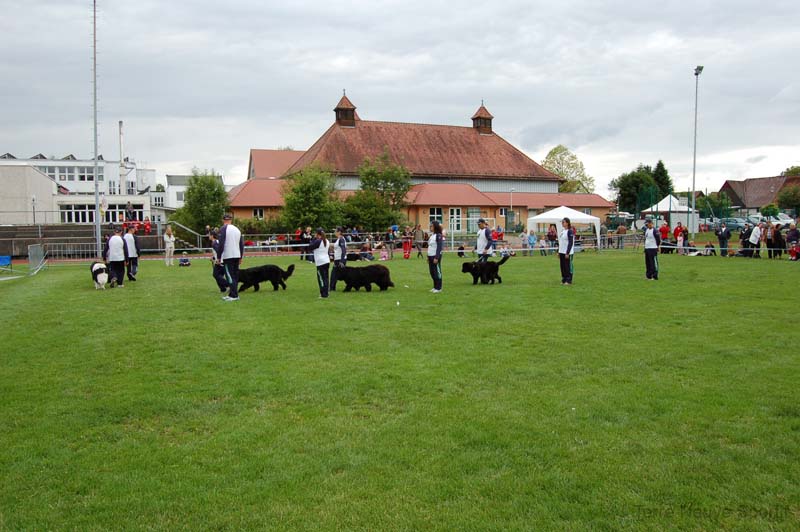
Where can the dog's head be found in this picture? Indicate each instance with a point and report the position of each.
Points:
(468, 267)
(288, 272)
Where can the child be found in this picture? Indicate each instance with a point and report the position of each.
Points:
(184, 260)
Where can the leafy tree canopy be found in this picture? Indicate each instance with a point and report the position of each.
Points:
(791, 171)
(566, 164)
(366, 208)
(635, 190)
(310, 199)
(770, 210)
(789, 198)
(205, 201)
(388, 180)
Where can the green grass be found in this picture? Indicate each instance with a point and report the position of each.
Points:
(616, 403)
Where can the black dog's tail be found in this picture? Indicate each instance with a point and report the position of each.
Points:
(288, 272)
(503, 260)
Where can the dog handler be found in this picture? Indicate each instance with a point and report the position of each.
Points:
(132, 243)
(339, 257)
(319, 247)
(435, 244)
(651, 242)
(566, 251)
(232, 246)
(217, 270)
(116, 254)
(484, 245)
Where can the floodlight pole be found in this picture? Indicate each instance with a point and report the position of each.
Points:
(511, 208)
(697, 71)
(94, 112)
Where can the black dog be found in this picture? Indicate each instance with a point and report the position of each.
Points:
(351, 257)
(358, 277)
(487, 272)
(261, 274)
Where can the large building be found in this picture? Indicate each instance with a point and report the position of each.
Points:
(458, 173)
(73, 201)
(750, 195)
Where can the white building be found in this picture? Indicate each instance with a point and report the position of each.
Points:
(176, 190)
(119, 184)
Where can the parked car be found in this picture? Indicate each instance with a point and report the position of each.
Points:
(784, 219)
(734, 224)
(754, 219)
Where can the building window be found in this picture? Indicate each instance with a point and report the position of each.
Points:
(179, 196)
(587, 210)
(455, 219)
(158, 201)
(77, 214)
(435, 214)
(503, 211)
(258, 213)
(131, 188)
(113, 187)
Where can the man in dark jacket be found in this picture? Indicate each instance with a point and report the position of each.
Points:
(723, 235)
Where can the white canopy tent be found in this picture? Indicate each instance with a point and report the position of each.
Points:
(559, 213)
(672, 208)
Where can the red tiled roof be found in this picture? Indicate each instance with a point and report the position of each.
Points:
(543, 200)
(482, 112)
(257, 192)
(445, 194)
(756, 192)
(425, 150)
(271, 163)
(344, 103)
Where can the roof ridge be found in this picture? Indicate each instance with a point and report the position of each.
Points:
(413, 124)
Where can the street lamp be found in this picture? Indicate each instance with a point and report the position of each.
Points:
(697, 71)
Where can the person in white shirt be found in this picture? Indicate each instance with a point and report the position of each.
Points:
(435, 248)
(116, 255)
(652, 239)
(169, 246)
(133, 252)
(339, 257)
(755, 240)
(319, 248)
(232, 246)
(566, 251)
(484, 244)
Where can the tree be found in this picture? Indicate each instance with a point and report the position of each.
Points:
(770, 210)
(789, 198)
(369, 210)
(160, 188)
(564, 163)
(791, 171)
(205, 201)
(662, 179)
(310, 199)
(716, 204)
(634, 189)
(388, 180)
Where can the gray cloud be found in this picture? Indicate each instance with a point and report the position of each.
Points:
(202, 82)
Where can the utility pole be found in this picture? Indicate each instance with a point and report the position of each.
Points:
(94, 110)
(697, 71)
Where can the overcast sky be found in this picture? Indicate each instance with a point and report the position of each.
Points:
(199, 83)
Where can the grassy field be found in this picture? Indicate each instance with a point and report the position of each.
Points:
(616, 403)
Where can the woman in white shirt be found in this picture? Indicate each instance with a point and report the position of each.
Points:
(319, 247)
(169, 246)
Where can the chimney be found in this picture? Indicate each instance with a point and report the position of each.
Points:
(482, 120)
(345, 112)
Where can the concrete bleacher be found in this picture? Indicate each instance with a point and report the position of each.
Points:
(15, 239)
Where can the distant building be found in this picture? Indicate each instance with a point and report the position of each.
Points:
(750, 195)
(175, 195)
(75, 180)
(458, 173)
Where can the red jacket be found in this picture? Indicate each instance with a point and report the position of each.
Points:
(664, 230)
(677, 232)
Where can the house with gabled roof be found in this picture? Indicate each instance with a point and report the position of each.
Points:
(750, 195)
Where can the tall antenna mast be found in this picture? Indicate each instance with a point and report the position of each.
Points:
(94, 109)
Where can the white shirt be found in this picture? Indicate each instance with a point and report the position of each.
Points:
(169, 240)
(116, 249)
(321, 256)
(483, 242)
(755, 236)
(232, 238)
(563, 242)
(131, 245)
(650, 239)
(337, 248)
(432, 248)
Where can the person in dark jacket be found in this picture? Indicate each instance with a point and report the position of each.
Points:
(115, 254)
(319, 252)
(566, 251)
(339, 257)
(435, 245)
(132, 242)
(218, 270)
(652, 240)
(723, 235)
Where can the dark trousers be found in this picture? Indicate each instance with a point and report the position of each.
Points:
(481, 258)
(723, 247)
(117, 269)
(651, 263)
(436, 272)
(566, 267)
(341, 263)
(231, 267)
(133, 267)
(322, 279)
(219, 276)
(770, 243)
